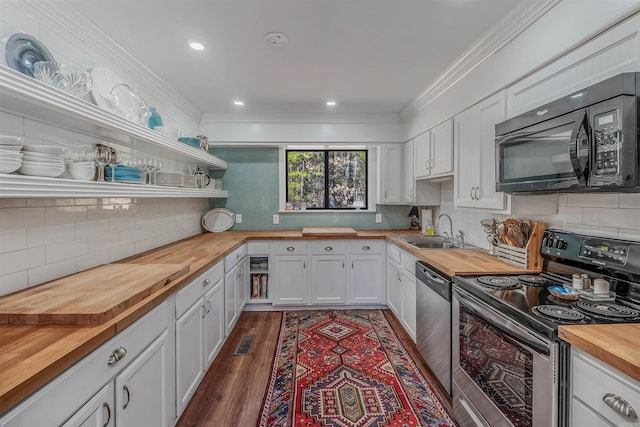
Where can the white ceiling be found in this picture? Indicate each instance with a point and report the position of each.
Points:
(371, 56)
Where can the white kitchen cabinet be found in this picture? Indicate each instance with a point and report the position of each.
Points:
(367, 273)
(328, 272)
(97, 412)
(593, 383)
(390, 174)
(409, 182)
(231, 299)
(408, 302)
(394, 288)
(28, 97)
(434, 151)
(199, 330)
(474, 136)
(290, 282)
(241, 285)
(141, 389)
(77, 394)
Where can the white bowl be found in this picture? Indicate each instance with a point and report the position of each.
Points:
(9, 167)
(10, 155)
(44, 164)
(173, 133)
(47, 171)
(42, 156)
(41, 148)
(81, 174)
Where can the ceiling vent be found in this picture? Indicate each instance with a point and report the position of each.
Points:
(276, 39)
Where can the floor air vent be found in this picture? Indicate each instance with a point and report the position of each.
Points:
(245, 345)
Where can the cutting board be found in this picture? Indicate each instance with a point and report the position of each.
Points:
(328, 231)
(90, 297)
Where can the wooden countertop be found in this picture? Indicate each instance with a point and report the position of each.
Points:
(615, 345)
(33, 355)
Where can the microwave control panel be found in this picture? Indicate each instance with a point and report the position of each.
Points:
(607, 133)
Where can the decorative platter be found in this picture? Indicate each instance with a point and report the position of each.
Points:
(217, 220)
(104, 80)
(563, 293)
(22, 51)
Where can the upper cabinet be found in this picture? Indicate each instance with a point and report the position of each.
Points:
(390, 174)
(474, 135)
(28, 97)
(434, 151)
(407, 173)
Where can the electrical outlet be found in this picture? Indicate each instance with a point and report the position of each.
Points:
(378, 218)
(276, 219)
(238, 218)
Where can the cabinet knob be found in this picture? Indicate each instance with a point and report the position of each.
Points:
(105, 406)
(117, 354)
(365, 248)
(328, 248)
(291, 248)
(238, 255)
(205, 282)
(620, 405)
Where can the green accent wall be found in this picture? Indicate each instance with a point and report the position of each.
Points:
(252, 182)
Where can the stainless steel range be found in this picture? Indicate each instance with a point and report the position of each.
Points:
(509, 366)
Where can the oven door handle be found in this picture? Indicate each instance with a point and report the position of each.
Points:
(505, 325)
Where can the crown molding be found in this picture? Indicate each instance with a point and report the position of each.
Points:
(303, 118)
(80, 26)
(507, 29)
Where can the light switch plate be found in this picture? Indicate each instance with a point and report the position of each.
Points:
(378, 218)
(276, 219)
(238, 218)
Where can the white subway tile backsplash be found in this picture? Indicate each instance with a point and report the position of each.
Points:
(101, 212)
(66, 250)
(123, 251)
(48, 133)
(65, 215)
(12, 262)
(630, 200)
(13, 240)
(41, 236)
(49, 272)
(121, 224)
(145, 245)
(91, 260)
(11, 219)
(12, 203)
(36, 203)
(593, 200)
(615, 218)
(11, 124)
(13, 282)
(593, 230)
(91, 229)
(104, 241)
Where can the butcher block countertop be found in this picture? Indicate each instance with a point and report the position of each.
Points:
(32, 355)
(615, 345)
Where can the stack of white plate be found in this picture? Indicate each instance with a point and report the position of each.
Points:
(219, 184)
(10, 155)
(169, 179)
(42, 160)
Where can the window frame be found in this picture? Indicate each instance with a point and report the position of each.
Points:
(369, 184)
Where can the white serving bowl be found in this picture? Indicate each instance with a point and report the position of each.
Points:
(173, 133)
(9, 166)
(47, 171)
(82, 174)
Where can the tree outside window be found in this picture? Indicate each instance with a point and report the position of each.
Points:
(326, 179)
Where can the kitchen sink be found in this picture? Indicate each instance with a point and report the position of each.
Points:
(434, 242)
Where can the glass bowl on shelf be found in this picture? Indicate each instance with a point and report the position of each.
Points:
(68, 78)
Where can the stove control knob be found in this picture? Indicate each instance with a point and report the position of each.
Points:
(558, 244)
(550, 242)
(564, 246)
(544, 241)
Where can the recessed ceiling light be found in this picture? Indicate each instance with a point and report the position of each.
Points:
(238, 103)
(331, 103)
(276, 39)
(196, 45)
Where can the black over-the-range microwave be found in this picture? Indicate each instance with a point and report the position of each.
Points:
(584, 142)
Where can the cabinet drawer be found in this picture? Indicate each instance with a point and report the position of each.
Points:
(408, 262)
(593, 379)
(327, 247)
(60, 398)
(366, 247)
(393, 252)
(191, 293)
(298, 247)
(258, 248)
(234, 257)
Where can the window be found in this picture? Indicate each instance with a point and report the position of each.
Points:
(326, 179)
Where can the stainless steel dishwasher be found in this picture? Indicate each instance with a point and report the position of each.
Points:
(433, 322)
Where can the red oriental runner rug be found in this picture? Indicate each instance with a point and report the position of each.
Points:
(346, 369)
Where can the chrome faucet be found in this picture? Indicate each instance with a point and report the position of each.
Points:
(446, 236)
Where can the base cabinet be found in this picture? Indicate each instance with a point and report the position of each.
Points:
(394, 289)
(328, 279)
(290, 279)
(97, 412)
(141, 389)
(213, 323)
(366, 260)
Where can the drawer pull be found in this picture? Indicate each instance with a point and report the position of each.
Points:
(328, 248)
(205, 282)
(291, 248)
(208, 307)
(105, 405)
(238, 255)
(126, 389)
(619, 405)
(365, 248)
(117, 354)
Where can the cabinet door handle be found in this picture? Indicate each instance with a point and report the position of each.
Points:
(291, 248)
(205, 282)
(126, 389)
(117, 354)
(432, 163)
(328, 248)
(385, 194)
(365, 248)
(208, 307)
(342, 264)
(620, 405)
(477, 192)
(105, 405)
(471, 193)
(352, 264)
(304, 265)
(204, 310)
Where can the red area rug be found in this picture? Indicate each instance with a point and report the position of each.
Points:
(346, 369)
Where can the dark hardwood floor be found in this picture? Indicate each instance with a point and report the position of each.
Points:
(231, 393)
